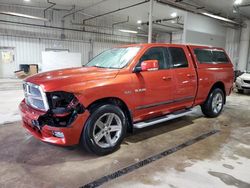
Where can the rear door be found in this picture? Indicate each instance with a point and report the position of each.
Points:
(184, 75)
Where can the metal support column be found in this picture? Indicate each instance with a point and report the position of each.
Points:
(150, 21)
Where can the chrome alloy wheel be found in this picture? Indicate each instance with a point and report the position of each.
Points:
(217, 103)
(107, 130)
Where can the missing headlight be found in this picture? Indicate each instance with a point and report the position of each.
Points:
(64, 109)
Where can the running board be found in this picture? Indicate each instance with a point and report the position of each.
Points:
(164, 118)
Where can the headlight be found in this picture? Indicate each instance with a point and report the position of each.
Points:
(238, 79)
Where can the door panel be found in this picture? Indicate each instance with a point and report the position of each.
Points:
(153, 89)
(153, 93)
(185, 77)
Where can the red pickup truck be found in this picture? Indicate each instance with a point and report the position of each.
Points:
(123, 88)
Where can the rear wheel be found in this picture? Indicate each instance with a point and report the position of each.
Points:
(104, 130)
(214, 103)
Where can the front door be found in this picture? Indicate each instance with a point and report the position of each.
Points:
(153, 89)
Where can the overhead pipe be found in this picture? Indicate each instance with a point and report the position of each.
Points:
(88, 25)
(163, 20)
(21, 6)
(76, 11)
(122, 22)
(190, 4)
(33, 7)
(193, 10)
(176, 4)
(169, 26)
(51, 5)
(236, 9)
(117, 10)
(45, 38)
(60, 28)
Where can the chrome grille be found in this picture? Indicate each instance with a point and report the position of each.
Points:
(35, 97)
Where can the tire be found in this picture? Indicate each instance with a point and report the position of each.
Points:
(241, 91)
(214, 104)
(104, 130)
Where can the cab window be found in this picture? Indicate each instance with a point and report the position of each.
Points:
(211, 56)
(220, 56)
(178, 57)
(156, 53)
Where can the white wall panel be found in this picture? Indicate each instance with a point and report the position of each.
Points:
(177, 37)
(163, 38)
(29, 50)
(199, 29)
(232, 45)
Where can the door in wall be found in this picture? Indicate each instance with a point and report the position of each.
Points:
(7, 62)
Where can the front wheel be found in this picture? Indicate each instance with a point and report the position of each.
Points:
(104, 130)
(214, 103)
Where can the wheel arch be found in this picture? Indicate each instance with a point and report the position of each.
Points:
(221, 86)
(115, 101)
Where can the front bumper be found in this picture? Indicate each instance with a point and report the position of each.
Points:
(71, 133)
(242, 85)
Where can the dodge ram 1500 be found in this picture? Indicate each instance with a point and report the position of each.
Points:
(123, 88)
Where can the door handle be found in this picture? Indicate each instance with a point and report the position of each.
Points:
(166, 78)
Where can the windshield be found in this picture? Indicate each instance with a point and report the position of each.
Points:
(115, 58)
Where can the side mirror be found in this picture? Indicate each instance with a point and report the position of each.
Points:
(148, 65)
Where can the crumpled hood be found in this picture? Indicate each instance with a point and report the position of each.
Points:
(58, 79)
(245, 76)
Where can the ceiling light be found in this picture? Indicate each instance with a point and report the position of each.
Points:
(23, 16)
(127, 31)
(26, 0)
(138, 27)
(218, 17)
(174, 14)
(139, 21)
(237, 2)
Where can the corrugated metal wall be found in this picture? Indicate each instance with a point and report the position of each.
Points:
(30, 41)
(28, 50)
(232, 45)
(177, 37)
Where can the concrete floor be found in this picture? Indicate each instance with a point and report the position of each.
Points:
(221, 160)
